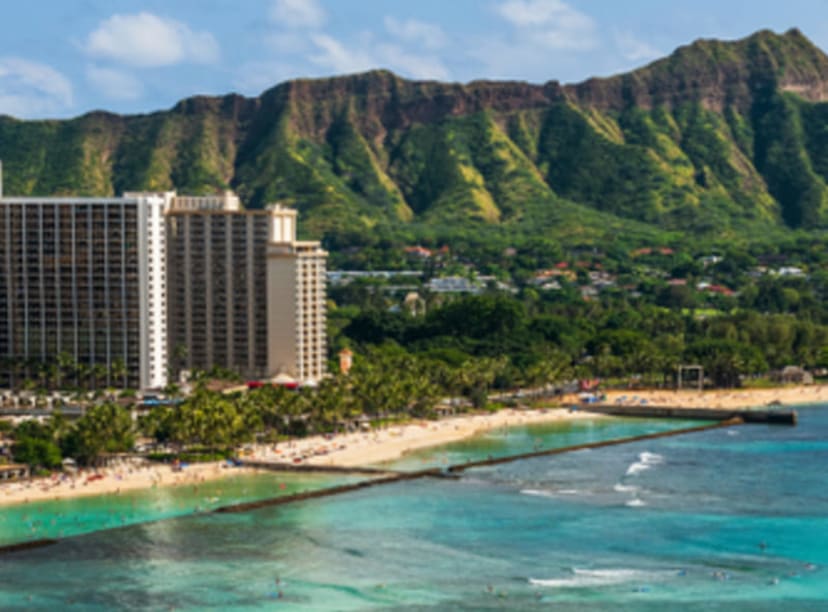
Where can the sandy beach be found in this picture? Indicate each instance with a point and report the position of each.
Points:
(723, 398)
(370, 447)
(111, 481)
(348, 449)
(375, 446)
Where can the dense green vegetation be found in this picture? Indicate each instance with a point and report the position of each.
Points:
(615, 338)
(387, 384)
(721, 140)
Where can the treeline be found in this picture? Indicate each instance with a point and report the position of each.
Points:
(386, 384)
(610, 338)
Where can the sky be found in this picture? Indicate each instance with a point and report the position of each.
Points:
(63, 58)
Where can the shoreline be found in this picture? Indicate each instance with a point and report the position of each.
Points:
(369, 447)
(112, 481)
(723, 398)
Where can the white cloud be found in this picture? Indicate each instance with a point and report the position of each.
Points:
(297, 13)
(413, 65)
(253, 78)
(335, 56)
(30, 89)
(549, 24)
(633, 49)
(146, 40)
(115, 84)
(410, 30)
(545, 39)
(285, 43)
(366, 54)
(301, 46)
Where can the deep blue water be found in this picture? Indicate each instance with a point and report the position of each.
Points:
(728, 519)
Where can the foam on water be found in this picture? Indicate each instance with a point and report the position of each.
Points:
(548, 493)
(537, 492)
(646, 460)
(582, 578)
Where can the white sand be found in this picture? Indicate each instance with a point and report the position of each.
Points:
(369, 447)
(111, 481)
(724, 398)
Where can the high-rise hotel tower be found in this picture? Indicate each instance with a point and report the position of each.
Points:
(84, 278)
(134, 288)
(244, 293)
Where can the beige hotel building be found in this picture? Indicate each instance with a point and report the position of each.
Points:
(244, 293)
(158, 283)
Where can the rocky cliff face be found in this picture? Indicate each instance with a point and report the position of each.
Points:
(717, 135)
(718, 75)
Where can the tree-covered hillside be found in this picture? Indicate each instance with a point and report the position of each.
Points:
(719, 139)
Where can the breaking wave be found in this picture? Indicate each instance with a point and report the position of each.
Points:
(599, 577)
(645, 462)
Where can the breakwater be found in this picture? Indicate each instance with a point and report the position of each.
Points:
(591, 445)
(281, 466)
(453, 471)
(337, 490)
(758, 415)
(18, 546)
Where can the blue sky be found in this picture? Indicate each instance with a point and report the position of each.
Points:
(62, 58)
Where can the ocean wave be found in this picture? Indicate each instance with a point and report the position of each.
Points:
(600, 577)
(546, 493)
(636, 503)
(645, 462)
(536, 492)
(622, 488)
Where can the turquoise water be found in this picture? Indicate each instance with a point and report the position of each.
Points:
(521, 439)
(728, 519)
(70, 517)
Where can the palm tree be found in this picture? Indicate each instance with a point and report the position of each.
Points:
(67, 367)
(477, 375)
(99, 373)
(105, 428)
(326, 407)
(83, 375)
(118, 373)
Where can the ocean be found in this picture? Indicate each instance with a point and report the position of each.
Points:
(726, 519)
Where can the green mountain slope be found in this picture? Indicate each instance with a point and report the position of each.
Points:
(719, 138)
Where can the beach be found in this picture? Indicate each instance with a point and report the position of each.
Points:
(111, 481)
(380, 445)
(377, 446)
(723, 398)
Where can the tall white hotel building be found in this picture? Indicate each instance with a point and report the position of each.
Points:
(152, 283)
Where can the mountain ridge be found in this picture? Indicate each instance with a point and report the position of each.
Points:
(715, 137)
